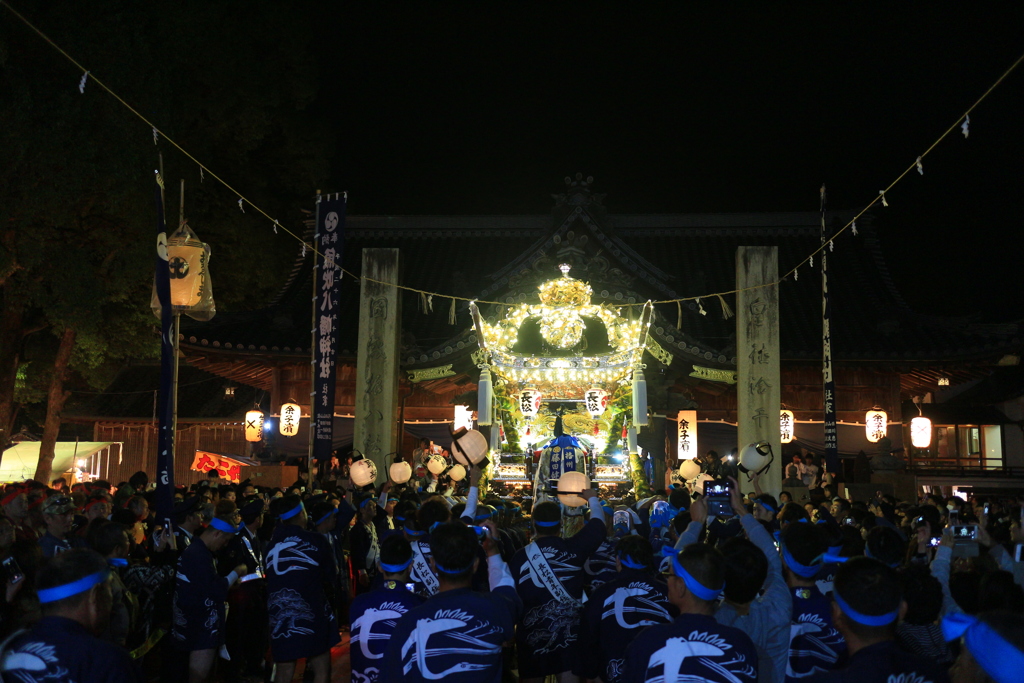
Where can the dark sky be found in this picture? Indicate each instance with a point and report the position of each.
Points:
(485, 108)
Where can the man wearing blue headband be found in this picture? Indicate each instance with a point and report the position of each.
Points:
(299, 565)
(992, 646)
(246, 633)
(200, 594)
(549, 579)
(867, 605)
(374, 615)
(364, 542)
(458, 633)
(74, 596)
(694, 646)
(599, 568)
(620, 609)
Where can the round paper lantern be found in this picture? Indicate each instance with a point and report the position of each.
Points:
(457, 473)
(786, 423)
(470, 448)
(570, 485)
(698, 486)
(755, 456)
(689, 469)
(529, 403)
(400, 472)
(254, 425)
(877, 424)
(363, 472)
(290, 414)
(921, 432)
(436, 463)
(596, 400)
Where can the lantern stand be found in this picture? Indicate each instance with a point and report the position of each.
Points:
(177, 352)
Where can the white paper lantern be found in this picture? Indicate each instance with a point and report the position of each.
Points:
(529, 403)
(457, 473)
(754, 456)
(921, 432)
(570, 485)
(686, 434)
(400, 472)
(470, 448)
(596, 401)
(254, 425)
(699, 485)
(364, 472)
(786, 422)
(290, 414)
(436, 463)
(689, 469)
(877, 424)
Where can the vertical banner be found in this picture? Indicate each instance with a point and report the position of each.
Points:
(686, 435)
(828, 379)
(329, 240)
(165, 396)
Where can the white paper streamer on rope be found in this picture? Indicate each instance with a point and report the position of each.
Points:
(202, 176)
(275, 226)
(796, 275)
(811, 259)
(156, 135)
(240, 206)
(452, 319)
(831, 247)
(303, 250)
(884, 203)
(966, 125)
(853, 228)
(920, 166)
(701, 308)
(726, 311)
(81, 83)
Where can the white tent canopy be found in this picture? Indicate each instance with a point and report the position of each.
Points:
(20, 460)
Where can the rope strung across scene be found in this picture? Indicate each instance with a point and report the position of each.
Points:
(963, 122)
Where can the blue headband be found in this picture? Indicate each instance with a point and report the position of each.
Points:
(327, 517)
(481, 517)
(47, 595)
(364, 503)
(540, 523)
(395, 568)
(694, 586)
(117, 562)
(444, 570)
(628, 561)
(832, 558)
(291, 513)
(221, 525)
(1000, 660)
(413, 532)
(834, 550)
(766, 506)
(802, 570)
(864, 619)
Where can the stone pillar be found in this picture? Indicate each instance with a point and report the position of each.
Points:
(758, 388)
(376, 399)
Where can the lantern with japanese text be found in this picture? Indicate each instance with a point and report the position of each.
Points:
(570, 485)
(786, 423)
(436, 463)
(921, 432)
(877, 425)
(400, 472)
(290, 414)
(686, 435)
(689, 469)
(457, 473)
(596, 400)
(529, 403)
(188, 263)
(254, 425)
(363, 472)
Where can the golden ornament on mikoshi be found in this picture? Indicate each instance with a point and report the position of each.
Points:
(562, 326)
(786, 423)
(877, 425)
(290, 414)
(253, 425)
(921, 432)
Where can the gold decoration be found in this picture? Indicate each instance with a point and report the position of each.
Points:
(431, 373)
(714, 374)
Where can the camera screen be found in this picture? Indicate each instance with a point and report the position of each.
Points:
(717, 489)
(965, 532)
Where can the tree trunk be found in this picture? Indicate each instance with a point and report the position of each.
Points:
(55, 406)
(11, 335)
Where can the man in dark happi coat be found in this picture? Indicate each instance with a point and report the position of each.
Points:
(246, 627)
(548, 576)
(298, 566)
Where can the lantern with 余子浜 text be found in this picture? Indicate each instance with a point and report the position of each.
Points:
(254, 425)
(876, 424)
(786, 425)
(921, 432)
(290, 415)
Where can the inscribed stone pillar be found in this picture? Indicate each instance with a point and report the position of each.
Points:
(758, 387)
(376, 399)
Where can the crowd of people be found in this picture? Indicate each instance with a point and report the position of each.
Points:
(246, 583)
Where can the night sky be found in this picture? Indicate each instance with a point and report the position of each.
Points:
(484, 109)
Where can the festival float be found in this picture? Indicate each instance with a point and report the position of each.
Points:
(562, 388)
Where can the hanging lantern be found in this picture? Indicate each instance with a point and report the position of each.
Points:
(484, 397)
(529, 403)
(689, 469)
(400, 472)
(596, 400)
(631, 440)
(457, 473)
(436, 463)
(188, 263)
(469, 447)
(639, 397)
(363, 472)
(254, 425)
(290, 414)
(570, 485)
(786, 423)
(877, 424)
(686, 435)
(921, 432)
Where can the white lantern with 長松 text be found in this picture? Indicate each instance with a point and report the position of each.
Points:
(529, 403)
(254, 425)
(876, 424)
(596, 401)
(290, 415)
(921, 432)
